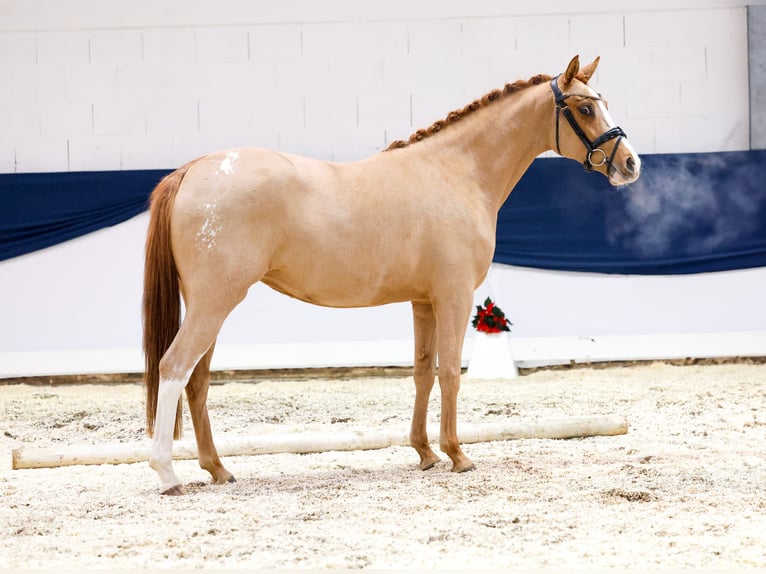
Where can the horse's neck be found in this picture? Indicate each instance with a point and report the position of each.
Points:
(494, 146)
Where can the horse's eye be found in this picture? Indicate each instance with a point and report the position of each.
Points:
(586, 110)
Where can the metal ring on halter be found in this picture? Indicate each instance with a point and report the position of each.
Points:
(603, 158)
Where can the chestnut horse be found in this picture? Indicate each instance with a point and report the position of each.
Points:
(414, 223)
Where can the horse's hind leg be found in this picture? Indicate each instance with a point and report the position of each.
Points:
(196, 393)
(197, 334)
(425, 362)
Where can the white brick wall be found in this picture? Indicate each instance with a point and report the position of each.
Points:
(65, 117)
(272, 42)
(172, 115)
(147, 152)
(222, 44)
(116, 47)
(63, 48)
(18, 48)
(134, 88)
(42, 154)
(169, 45)
(95, 153)
(373, 40)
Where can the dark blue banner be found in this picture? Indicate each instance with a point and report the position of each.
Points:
(38, 210)
(688, 213)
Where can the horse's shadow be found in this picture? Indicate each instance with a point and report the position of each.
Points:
(332, 478)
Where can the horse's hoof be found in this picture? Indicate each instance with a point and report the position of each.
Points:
(176, 490)
(464, 467)
(225, 479)
(429, 463)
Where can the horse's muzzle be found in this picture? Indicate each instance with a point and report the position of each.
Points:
(626, 166)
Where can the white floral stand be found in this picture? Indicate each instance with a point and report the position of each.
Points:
(491, 357)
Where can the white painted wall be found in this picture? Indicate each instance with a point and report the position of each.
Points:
(94, 85)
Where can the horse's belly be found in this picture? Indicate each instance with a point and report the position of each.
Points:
(341, 289)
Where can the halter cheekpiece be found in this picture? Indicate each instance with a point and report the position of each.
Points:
(592, 146)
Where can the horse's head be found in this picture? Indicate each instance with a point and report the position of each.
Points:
(586, 132)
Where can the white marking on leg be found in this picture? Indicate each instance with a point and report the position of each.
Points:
(161, 459)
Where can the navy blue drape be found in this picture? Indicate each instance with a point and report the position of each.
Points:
(38, 210)
(688, 213)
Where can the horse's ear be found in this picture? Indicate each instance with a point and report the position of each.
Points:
(587, 72)
(572, 69)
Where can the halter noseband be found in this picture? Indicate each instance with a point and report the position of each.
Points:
(591, 146)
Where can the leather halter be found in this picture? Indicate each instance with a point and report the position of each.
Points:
(591, 146)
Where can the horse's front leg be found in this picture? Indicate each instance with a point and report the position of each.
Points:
(452, 321)
(425, 362)
(196, 393)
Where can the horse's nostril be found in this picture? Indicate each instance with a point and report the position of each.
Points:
(630, 165)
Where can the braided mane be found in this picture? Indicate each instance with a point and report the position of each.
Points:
(456, 115)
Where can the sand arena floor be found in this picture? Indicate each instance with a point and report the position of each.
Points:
(685, 487)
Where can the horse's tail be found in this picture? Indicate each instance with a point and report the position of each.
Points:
(162, 299)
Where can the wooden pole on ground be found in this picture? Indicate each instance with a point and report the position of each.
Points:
(302, 443)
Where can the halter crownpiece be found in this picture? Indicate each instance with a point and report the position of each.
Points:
(591, 146)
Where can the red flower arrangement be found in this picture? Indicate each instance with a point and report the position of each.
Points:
(490, 318)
